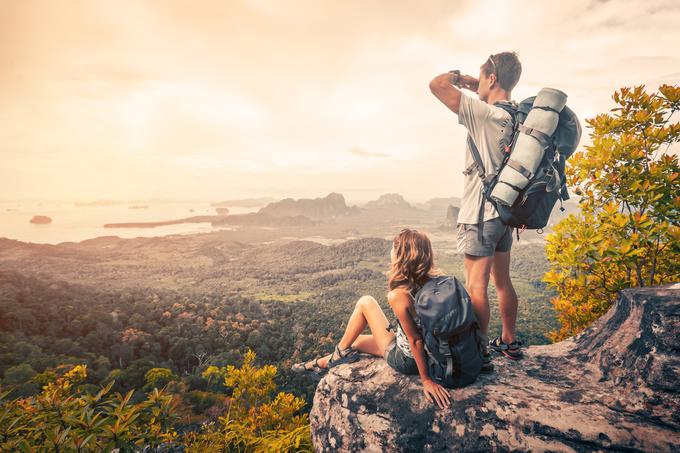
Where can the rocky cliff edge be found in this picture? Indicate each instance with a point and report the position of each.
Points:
(614, 387)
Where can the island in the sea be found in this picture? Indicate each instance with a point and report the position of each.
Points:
(41, 219)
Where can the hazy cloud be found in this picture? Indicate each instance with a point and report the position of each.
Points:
(361, 152)
(260, 97)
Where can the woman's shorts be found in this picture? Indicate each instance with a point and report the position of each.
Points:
(398, 360)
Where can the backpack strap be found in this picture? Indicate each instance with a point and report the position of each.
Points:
(555, 183)
(519, 168)
(545, 107)
(479, 165)
(511, 108)
(446, 351)
(564, 193)
(543, 139)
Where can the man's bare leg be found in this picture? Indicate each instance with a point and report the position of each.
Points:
(507, 298)
(477, 269)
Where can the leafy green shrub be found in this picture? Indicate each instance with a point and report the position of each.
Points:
(60, 419)
(64, 419)
(254, 421)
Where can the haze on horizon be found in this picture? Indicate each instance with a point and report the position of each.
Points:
(219, 100)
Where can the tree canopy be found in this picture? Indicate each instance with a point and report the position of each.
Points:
(627, 233)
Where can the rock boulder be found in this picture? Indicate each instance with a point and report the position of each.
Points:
(614, 387)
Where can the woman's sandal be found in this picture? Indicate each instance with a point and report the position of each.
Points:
(348, 355)
(315, 370)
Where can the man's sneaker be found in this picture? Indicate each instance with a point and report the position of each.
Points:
(487, 366)
(511, 350)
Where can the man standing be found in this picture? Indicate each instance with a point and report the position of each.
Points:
(489, 129)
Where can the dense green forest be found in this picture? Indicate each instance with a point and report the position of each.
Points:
(286, 301)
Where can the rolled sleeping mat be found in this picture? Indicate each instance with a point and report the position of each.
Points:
(528, 152)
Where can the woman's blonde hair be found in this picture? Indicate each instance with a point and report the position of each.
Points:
(414, 262)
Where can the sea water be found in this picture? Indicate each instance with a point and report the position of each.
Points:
(77, 223)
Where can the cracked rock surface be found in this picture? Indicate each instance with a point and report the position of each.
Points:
(615, 387)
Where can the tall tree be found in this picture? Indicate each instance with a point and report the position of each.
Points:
(627, 232)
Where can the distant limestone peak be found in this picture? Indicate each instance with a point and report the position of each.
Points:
(332, 205)
(389, 200)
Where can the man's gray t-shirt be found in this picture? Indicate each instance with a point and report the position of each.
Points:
(490, 128)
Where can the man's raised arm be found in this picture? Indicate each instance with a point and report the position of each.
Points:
(443, 88)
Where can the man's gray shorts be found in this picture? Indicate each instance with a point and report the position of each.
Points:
(497, 237)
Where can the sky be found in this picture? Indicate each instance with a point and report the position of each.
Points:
(214, 100)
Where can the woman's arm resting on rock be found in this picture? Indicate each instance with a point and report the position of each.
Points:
(399, 301)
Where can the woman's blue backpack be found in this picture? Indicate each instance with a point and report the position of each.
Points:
(450, 331)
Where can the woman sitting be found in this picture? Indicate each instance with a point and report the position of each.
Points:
(411, 267)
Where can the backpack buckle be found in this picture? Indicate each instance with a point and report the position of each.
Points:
(471, 168)
(444, 349)
(556, 157)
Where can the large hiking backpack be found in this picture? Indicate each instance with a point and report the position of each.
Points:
(449, 328)
(532, 208)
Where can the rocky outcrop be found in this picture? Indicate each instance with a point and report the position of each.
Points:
(615, 387)
(332, 205)
(451, 216)
(439, 204)
(390, 201)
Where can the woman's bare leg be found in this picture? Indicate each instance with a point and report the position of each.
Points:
(366, 312)
(368, 344)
